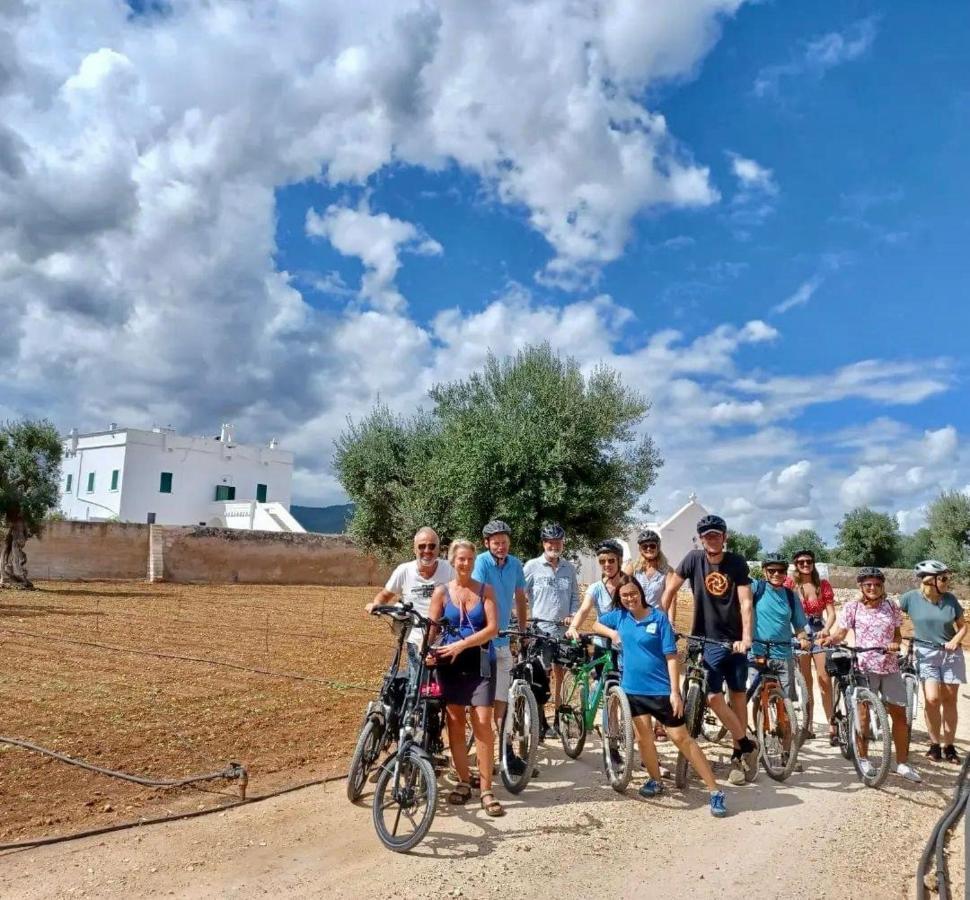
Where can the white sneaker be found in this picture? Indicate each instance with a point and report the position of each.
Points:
(908, 772)
(736, 775)
(868, 769)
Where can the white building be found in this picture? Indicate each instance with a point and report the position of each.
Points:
(678, 536)
(134, 475)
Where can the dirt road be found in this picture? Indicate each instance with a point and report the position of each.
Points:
(820, 835)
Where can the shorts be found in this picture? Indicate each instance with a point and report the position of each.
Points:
(944, 666)
(723, 665)
(548, 651)
(659, 708)
(503, 673)
(785, 670)
(890, 687)
(813, 625)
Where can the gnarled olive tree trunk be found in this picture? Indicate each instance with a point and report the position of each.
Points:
(13, 559)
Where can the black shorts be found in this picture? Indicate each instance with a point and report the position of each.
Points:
(658, 707)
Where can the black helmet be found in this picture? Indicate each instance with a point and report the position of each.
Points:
(647, 535)
(552, 531)
(496, 526)
(711, 523)
(774, 559)
(805, 552)
(869, 572)
(610, 546)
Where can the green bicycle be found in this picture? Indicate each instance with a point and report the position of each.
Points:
(586, 684)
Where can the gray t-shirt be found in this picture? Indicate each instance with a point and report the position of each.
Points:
(553, 593)
(932, 622)
(408, 583)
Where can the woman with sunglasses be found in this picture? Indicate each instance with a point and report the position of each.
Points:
(599, 595)
(818, 602)
(939, 628)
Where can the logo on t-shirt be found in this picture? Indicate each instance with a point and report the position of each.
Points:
(717, 584)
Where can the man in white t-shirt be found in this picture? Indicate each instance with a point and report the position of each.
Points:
(415, 581)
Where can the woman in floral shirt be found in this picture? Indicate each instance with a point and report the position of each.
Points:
(875, 622)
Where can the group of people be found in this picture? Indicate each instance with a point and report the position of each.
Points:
(786, 618)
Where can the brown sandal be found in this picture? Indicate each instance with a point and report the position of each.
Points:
(475, 781)
(492, 807)
(460, 795)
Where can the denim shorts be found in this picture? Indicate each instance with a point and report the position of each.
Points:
(944, 666)
(784, 669)
(722, 666)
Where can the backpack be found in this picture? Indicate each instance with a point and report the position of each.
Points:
(759, 592)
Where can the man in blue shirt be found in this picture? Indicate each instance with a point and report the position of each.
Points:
(778, 614)
(497, 567)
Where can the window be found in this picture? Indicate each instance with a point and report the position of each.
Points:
(165, 483)
(260, 493)
(70, 482)
(114, 479)
(90, 482)
(225, 492)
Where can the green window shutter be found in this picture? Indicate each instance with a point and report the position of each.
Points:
(114, 479)
(225, 492)
(90, 482)
(260, 493)
(70, 480)
(165, 483)
(232, 493)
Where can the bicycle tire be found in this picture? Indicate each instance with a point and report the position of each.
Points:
(780, 767)
(912, 701)
(711, 727)
(616, 707)
(419, 774)
(572, 719)
(366, 751)
(801, 704)
(522, 714)
(693, 719)
(877, 711)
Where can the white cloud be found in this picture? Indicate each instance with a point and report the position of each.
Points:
(377, 240)
(802, 294)
(752, 175)
(789, 489)
(817, 56)
(939, 446)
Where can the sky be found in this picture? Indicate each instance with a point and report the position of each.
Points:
(272, 213)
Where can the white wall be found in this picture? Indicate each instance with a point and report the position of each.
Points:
(100, 456)
(678, 534)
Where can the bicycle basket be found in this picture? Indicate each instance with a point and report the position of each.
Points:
(838, 662)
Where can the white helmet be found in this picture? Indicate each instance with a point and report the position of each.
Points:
(931, 567)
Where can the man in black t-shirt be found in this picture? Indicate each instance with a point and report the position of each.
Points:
(724, 612)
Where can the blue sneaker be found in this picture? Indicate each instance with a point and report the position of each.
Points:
(718, 808)
(651, 788)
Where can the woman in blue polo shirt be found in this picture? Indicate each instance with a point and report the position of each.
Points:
(651, 681)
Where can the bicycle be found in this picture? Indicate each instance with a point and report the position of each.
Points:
(858, 714)
(909, 669)
(406, 783)
(775, 720)
(587, 683)
(521, 720)
(695, 698)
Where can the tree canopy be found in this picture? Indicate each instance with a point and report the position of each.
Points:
(528, 439)
(805, 539)
(948, 521)
(746, 545)
(915, 547)
(868, 538)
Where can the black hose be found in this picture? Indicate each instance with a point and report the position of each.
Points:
(160, 820)
(935, 845)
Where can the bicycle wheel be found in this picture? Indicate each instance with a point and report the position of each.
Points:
(801, 704)
(365, 755)
(694, 707)
(775, 724)
(911, 683)
(711, 727)
(572, 718)
(617, 738)
(404, 801)
(520, 728)
(874, 725)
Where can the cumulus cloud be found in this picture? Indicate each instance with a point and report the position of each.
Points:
(752, 175)
(789, 488)
(815, 57)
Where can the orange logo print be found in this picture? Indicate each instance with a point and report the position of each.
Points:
(717, 584)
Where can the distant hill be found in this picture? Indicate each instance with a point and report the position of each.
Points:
(323, 519)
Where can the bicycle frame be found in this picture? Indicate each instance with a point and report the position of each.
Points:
(591, 704)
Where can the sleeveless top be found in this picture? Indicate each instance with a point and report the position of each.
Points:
(464, 625)
(601, 597)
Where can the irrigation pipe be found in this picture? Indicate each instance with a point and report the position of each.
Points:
(936, 845)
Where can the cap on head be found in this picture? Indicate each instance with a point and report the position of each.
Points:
(610, 546)
(711, 523)
(773, 559)
(648, 535)
(496, 526)
(931, 567)
(867, 572)
(552, 531)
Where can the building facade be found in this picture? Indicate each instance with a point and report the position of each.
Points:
(158, 476)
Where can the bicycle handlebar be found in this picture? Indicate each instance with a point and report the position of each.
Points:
(405, 612)
(697, 639)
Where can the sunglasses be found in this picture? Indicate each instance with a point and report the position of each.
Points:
(776, 571)
(606, 560)
(943, 577)
(650, 546)
(804, 562)
(871, 585)
(427, 546)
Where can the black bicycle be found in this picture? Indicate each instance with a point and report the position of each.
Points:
(859, 715)
(406, 791)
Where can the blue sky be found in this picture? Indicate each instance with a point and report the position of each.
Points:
(756, 211)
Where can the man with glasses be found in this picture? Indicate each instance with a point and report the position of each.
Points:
(415, 582)
(723, 612)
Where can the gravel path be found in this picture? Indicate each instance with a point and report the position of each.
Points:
(820, 835)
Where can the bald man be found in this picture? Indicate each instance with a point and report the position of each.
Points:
(415, 581)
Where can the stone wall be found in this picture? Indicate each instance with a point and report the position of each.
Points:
(108, 551)
(72, 551)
